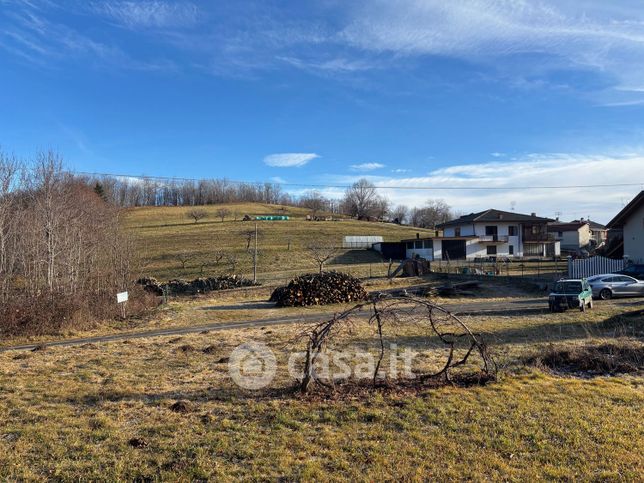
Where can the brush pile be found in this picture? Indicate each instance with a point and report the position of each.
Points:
(319, 289)
(198, 285)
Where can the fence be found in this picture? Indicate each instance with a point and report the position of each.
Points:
(546, 270)
(588, 267)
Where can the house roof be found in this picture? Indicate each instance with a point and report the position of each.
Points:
(493, 215)
(627, 211)
(593, 224)
(572, 226)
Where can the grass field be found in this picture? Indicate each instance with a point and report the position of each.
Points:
(71, 413)
(162, 233)
(106, 411)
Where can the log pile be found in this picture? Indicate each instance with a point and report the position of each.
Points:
(198, 285)
(319, 289)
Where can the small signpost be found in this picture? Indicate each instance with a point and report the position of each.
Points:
(121, 299)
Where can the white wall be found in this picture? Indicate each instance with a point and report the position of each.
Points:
(425, 250)
(634, 236)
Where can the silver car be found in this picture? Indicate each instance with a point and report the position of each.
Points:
(612, 285)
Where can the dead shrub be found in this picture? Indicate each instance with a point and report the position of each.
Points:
(622, 356)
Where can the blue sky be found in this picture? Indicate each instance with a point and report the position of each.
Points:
(491, 93)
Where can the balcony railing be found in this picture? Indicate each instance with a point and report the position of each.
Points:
(493, 238)
(538, 237)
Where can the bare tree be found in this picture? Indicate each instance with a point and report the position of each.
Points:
(400, 214)
(232, 258)
(197, 214)
(215, 259)
(381, 208)
(223, 213)
(62, 242)
(321, 253)
(184, 257)
(432, 214)
(362, 200)
(314, 201)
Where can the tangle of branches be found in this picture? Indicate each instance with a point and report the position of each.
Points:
(441, 330)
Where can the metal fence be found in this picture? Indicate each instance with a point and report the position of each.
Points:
(587, 267)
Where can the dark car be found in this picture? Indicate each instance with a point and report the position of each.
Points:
(570, 294)
(635, 271)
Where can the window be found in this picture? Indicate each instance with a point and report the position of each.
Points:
(491, 249)
(535, 229)
(622, 279)
(457, 231)
(427, 244)
(512, 231)
(410, 245)
(491, 230)
(560, 234)
(511, 250)
(418, 244)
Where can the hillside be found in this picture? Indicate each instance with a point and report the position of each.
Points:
(165, 233)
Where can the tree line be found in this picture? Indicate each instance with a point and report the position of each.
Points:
(361, 200)
(63, 252)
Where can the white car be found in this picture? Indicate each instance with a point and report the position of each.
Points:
(611, 285)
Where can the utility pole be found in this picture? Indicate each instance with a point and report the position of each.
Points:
(255, 257)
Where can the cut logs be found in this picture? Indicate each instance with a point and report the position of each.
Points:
(319, 289)
(198, 285)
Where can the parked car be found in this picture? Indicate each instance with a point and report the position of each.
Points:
(569, 293)
(611, 285)
(635, 271)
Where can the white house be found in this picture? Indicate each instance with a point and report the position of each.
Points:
(631, 221)
(490, 233)
(573, 235)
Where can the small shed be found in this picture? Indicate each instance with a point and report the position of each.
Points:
(361, 241)
(271, 218)
(391, 250)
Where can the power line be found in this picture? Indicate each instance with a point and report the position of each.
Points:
(344, 186)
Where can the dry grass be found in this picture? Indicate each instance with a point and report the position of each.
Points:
(82, 413)
(164, 232)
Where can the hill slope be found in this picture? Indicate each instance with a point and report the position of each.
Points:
(163, 234)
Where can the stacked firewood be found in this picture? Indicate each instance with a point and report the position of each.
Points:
(319, 289)
(199, 285)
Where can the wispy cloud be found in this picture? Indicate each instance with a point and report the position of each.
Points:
(400, 170)
(366, 166)
(155, 14)
(289, 160)
(36, 36)
(604, 37)
(277, 179)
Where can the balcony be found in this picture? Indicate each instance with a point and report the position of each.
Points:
(493, 239)
(529, 237)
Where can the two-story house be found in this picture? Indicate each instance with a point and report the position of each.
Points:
(490, 233)
(573, 236)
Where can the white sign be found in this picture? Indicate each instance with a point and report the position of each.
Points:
(121, 297)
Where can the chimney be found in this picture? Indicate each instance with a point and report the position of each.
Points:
(533, 214)
(557, 219)
(417, 236)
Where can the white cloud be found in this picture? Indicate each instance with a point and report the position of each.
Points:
(289, 160)
(400, 170)
(157, 14)
(527, 181)
(366, 166)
